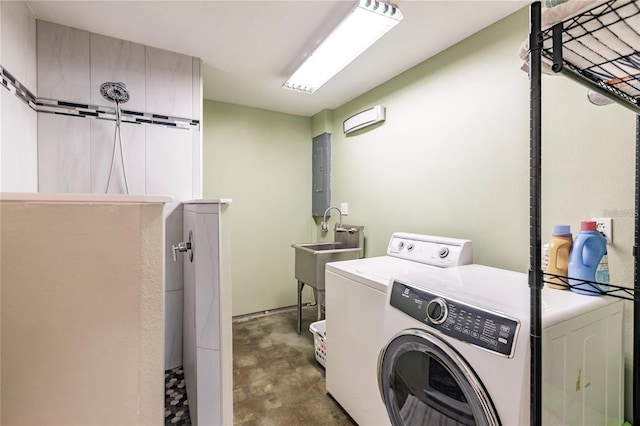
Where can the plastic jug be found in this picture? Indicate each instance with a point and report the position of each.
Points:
(559, 249)
(588, 249)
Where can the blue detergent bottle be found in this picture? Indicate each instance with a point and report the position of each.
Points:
(586, 253)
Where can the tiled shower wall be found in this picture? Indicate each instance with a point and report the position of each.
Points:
(73, 154)
(18, 122)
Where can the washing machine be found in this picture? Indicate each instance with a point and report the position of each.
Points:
(355, 293)
(457, 351)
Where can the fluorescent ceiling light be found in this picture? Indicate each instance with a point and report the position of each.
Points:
(367, 22)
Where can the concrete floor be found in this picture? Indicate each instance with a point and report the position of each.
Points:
(276, 378)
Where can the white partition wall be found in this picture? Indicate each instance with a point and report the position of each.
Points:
(207, 313)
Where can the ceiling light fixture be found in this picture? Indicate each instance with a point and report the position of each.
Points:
(367, 22)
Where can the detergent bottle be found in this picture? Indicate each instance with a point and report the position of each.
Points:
(559, 249)
(586, 253)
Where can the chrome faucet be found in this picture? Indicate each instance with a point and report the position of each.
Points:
(324, 226)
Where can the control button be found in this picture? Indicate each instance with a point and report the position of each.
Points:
(437, 310)
(444, 252)
(457, 328)
(474, 334)
(400, 245)
(410, 247)
(501, 340)
(466, 331)
(504, 329)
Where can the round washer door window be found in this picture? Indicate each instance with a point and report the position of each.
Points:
(424, 381)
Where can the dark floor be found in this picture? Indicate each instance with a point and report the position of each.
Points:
(276, 378)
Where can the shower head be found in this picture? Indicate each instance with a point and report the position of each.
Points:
(115, 92)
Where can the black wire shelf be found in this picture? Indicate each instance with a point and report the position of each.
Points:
(600, 48)
(592, 287)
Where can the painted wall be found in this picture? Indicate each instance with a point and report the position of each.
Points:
(261, 160)
(75, 153)
(18, 122)
(452, 157)
(589, 171)
(84, 322)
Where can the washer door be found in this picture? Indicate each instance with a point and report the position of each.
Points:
(424, 381)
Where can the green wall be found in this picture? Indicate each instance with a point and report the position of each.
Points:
(451, 158)
(262, 161)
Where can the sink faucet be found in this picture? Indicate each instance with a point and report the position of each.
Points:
(324, 226)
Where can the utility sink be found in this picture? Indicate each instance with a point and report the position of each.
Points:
(322, 247)
(311, 258)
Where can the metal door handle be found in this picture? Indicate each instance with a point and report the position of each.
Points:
(183, 247)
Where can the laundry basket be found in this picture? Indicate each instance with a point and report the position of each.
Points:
(319, 329)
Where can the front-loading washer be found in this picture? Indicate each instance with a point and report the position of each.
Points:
(355, 293)
(457, 351)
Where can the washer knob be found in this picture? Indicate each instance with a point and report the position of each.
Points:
(444, 252)
(400, 245)
(437, 310)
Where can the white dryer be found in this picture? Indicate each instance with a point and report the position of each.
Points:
(457, 351)
(355, 301)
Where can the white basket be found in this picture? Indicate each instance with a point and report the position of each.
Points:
(320, 341)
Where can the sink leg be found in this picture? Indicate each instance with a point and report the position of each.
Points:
(300, 287)
(319, 301)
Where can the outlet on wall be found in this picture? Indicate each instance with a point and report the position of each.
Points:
(344, 208)
(604, 225)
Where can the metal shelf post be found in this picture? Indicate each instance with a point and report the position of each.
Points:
(636, 286)
(535, 187)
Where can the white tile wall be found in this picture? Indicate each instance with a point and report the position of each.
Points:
(169, 83)
(209, 388)
(64, 153)
(133, 144)
(189, 353)
(18, 122)
(18, 150)
(168, 160)
(207, 240)
(173, 328)
(18, 42)
(173, 231)
(121, 61)
(173, 214)
(196, 89)
(196, 164)
(63, 63)
(197, 135)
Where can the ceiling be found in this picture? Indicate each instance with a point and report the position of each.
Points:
(249, 48)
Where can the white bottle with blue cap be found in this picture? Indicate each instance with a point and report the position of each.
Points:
(586, 253)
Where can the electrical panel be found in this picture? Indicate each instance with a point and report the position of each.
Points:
(321, 174)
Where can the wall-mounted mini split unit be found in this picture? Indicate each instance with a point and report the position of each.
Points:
(363, 119)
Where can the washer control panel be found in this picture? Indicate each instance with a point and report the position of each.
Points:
(479, 327)
(436, 251)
